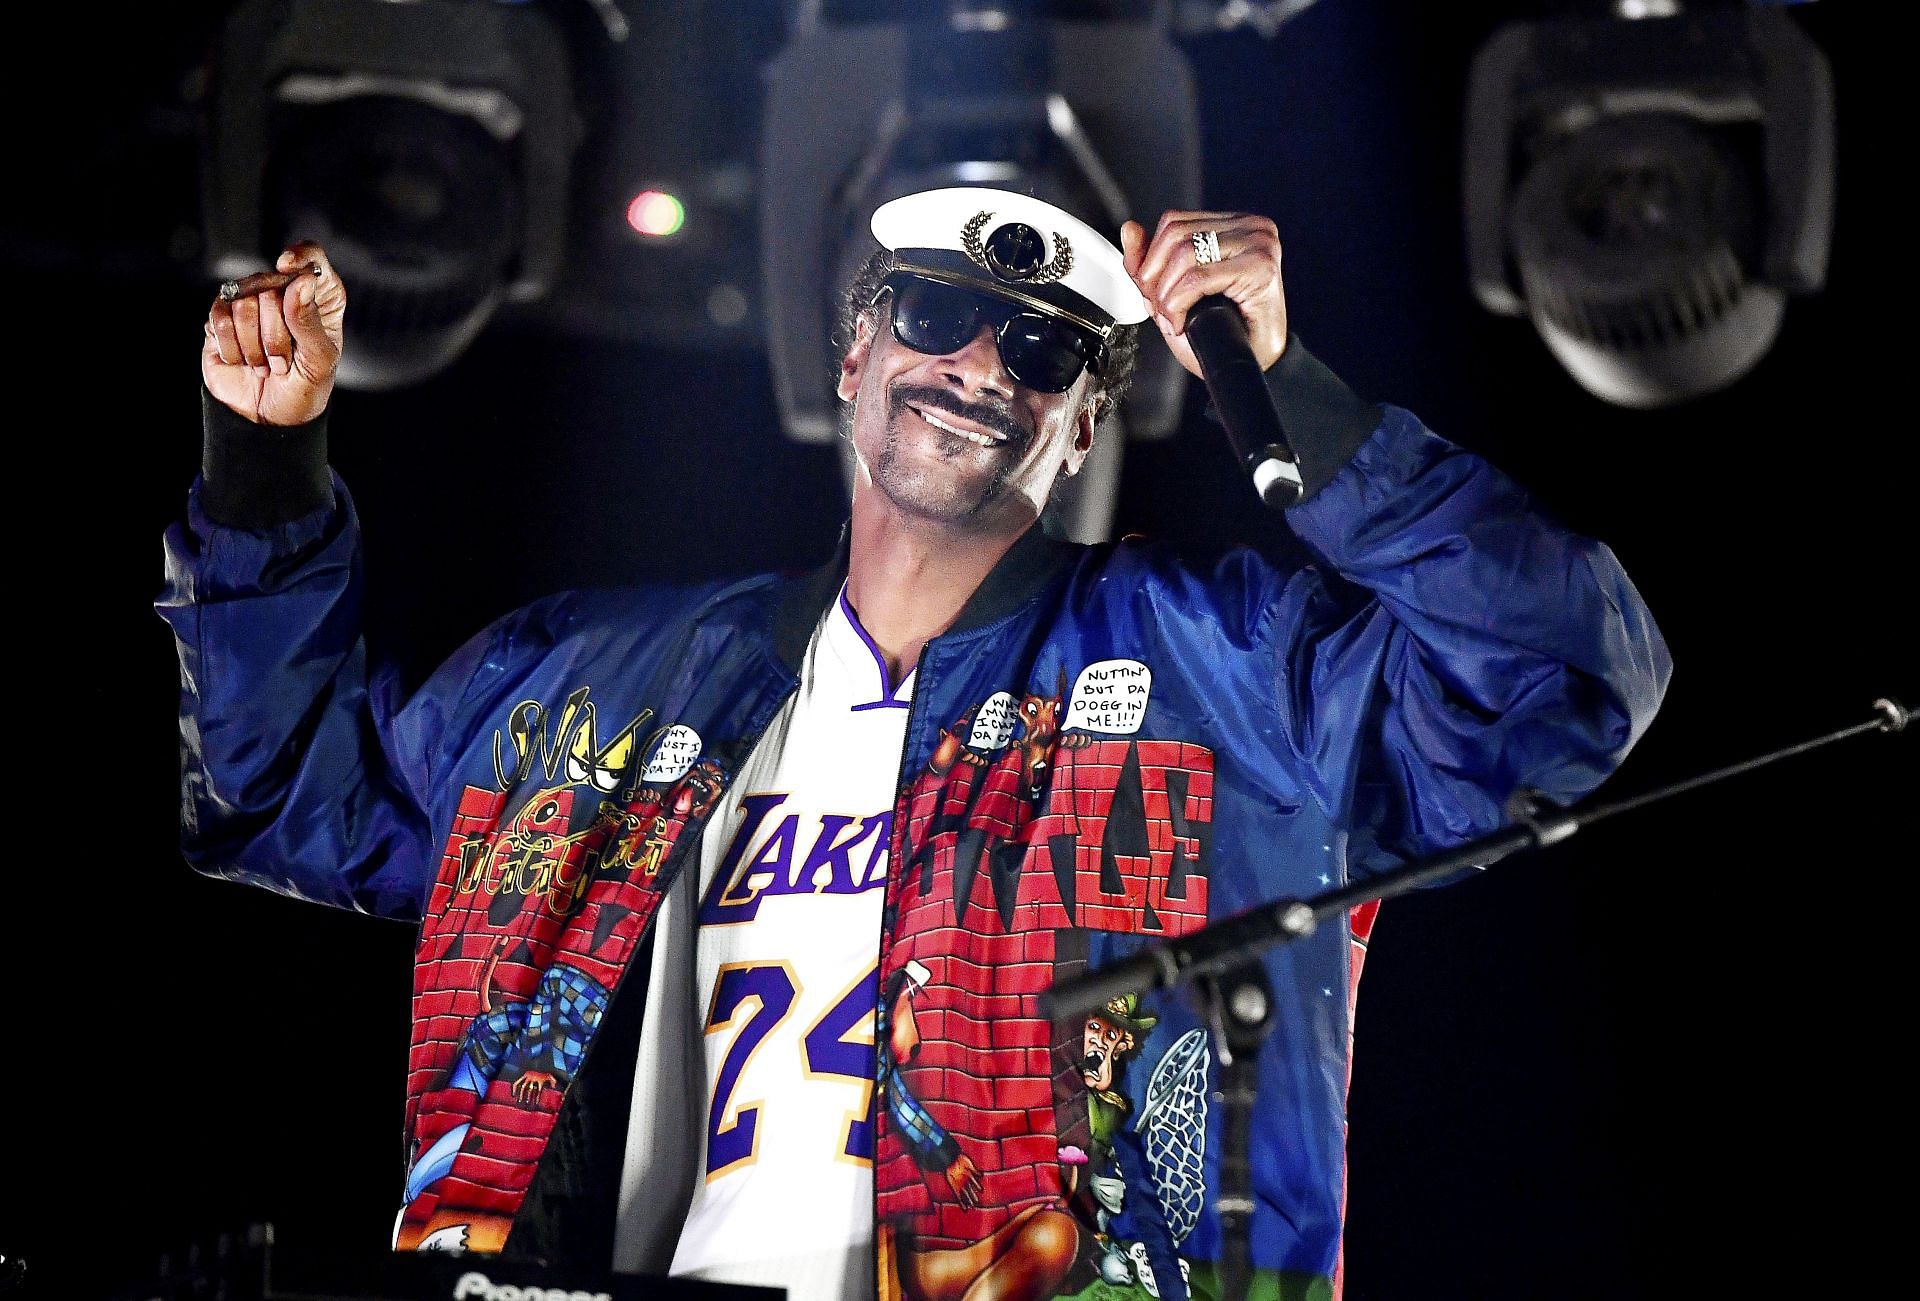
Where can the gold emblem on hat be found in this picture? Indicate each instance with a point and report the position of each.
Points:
(1059, 266)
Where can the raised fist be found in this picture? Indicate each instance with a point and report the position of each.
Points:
(272, 356)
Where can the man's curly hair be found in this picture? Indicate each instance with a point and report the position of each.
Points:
(1109, 386)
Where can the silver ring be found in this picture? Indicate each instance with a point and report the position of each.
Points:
(1206, 246)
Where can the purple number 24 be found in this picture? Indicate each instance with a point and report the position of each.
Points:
(825, 1050)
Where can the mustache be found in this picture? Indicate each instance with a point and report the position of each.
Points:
(999, 419)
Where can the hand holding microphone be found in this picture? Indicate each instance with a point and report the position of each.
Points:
(1212, 282)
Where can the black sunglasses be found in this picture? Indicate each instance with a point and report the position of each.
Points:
(1044, 353)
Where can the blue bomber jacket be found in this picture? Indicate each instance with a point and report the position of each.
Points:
(1109, 746)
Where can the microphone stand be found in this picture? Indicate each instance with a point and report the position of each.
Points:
(1222, 960)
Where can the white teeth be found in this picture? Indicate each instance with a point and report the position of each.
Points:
(981, 439)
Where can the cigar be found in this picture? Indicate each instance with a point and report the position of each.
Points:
(261, 281)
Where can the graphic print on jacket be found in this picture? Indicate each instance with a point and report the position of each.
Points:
(545, 886)
(997, 1168)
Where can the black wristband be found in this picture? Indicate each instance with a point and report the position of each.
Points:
(259, 476)
(1324, 420)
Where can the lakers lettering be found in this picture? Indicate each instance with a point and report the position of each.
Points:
(776, 855)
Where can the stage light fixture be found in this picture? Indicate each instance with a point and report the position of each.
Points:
(1650, 190)
(426, 144)
(656, 214)
(1098, 117)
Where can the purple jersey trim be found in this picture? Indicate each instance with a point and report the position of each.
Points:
(889, 698)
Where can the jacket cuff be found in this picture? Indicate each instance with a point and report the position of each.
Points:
(260, 476)
(1325, 421)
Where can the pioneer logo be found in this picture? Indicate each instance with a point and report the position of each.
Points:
(475, 1286)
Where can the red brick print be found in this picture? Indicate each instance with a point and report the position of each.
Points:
(1099, 918)
(982, 1062)
(454, 1107)
(506, 1116)
(953, 798)
(984, 915)
(985, 1121)
(926, 917)
(514, 1149)
(955, 969)
(1161, 754)
(487, 1191)
(1046, 913)
(907, 1195)
(956, 1087)
(896, 1162)
(1033, 1149)
(553, 924)
(934, 1024)
(1023, 1092)
(1004, 1187)
(924, 798)
(477, 805)
(995, 1007)
(1024, 978)
(936, 1053)
(965, 1032)
(464, 971)
(980, 1038)
(1036, 887)
(1033, 1033)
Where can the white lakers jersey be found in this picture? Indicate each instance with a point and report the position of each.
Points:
(792, 874)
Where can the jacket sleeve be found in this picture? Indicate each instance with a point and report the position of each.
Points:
(1454, 644)
(301, 770)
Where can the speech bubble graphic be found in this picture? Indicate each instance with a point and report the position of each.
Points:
(993, 725)
(1110, 696)
(674, 754)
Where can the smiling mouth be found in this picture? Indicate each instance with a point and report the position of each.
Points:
(949, 424)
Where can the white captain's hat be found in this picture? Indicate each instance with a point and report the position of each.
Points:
(1015, 246)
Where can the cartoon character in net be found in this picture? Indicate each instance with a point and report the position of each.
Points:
(1172, 1124)
(1173, 1132)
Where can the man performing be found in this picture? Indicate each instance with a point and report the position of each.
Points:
(706, 830)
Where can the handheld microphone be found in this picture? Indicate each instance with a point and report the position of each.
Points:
(1218, 334)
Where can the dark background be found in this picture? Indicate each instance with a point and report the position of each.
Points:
(1659, 1061)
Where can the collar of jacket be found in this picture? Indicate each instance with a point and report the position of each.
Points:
(1034, 558)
